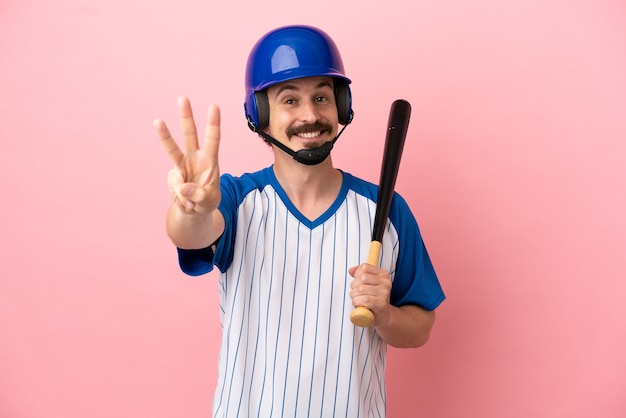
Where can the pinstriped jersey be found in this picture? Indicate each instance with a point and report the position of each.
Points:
(288, 347)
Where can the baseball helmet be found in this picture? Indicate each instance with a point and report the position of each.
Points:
(288, 53)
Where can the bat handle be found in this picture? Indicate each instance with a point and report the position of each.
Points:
(361, 316)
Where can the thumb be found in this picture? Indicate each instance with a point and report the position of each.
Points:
(198, 194)
(196, 198)
(192, 192)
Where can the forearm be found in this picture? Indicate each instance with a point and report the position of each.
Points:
(408, 326)
(193, 230)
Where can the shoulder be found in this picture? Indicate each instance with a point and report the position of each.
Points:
(369, 190)
(257, 179)
(237, 187)
(360, 186)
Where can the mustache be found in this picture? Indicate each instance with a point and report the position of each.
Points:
(309, 127)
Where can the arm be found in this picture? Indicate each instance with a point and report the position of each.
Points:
(406, 326)
(403, 327)
(192, 231)
(193, 220)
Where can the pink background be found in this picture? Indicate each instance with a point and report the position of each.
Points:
(514, 166)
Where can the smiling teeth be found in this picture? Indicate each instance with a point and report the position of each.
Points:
(309, 135)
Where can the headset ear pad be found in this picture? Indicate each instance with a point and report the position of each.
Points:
(262, 108)
(343, 98)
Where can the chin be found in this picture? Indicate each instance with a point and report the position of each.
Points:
(314, 143)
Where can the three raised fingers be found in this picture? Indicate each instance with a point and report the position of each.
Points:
(190, 134)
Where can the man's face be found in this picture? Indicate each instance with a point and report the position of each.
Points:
(303, 113)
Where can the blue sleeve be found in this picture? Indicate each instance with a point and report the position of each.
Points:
(415, 281)
(195, 262)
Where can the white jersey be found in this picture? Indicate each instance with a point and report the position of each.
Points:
(288, 347)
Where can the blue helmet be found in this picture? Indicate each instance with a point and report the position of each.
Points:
(288, 53)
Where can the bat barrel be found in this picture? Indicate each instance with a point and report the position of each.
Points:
(397, 128)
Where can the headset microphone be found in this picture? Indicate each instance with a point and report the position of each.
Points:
(305, 156)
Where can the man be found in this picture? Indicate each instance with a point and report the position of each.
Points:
(290, 242)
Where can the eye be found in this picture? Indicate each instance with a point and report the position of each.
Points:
(321, 99)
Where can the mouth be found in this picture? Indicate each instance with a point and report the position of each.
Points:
(310, 132)
(309, 135)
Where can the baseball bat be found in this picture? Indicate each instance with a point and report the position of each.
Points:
(397, 127)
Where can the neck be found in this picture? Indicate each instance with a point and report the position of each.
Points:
(311, 189)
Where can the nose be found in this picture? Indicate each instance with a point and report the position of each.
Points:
(309, 112)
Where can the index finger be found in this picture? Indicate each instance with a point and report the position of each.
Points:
(171, 147)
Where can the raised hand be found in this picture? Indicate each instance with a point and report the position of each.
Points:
(194, 182)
